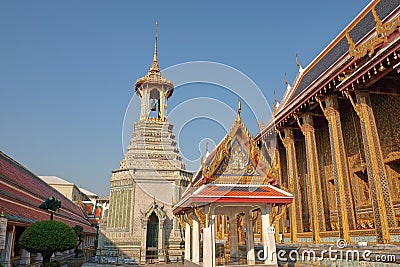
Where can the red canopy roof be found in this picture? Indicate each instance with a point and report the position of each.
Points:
(235, 172)
(234, 193)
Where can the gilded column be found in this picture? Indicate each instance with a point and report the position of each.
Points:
(382, 204)
(223, 223)
(314, 177)
(282, 222)
(217, 227)
(275, 165)
(294, 187)
(344, 199)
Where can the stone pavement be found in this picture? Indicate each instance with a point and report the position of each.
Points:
(90, 264)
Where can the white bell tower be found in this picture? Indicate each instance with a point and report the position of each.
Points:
(154, 91)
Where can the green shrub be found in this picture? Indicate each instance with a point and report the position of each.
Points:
(80, 235)
(48, 237)
(54, 264)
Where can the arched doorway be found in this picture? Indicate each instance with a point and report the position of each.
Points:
(152, 237)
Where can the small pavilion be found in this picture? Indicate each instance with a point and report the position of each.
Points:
(233, 195)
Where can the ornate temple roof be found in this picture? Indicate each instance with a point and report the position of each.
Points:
(236, 159)
(154, 75)
(329, 63)
(358, 28)
(235, 171)
(21, 193)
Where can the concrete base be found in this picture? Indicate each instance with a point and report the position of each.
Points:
(191, 264)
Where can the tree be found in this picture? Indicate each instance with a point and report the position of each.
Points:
(48, 237)
(80, 235)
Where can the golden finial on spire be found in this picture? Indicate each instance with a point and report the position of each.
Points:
(274, 104)
(154, 66)
(156, 43)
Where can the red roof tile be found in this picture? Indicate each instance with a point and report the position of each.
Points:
(235, 193)
(241, 191)
(21, 193)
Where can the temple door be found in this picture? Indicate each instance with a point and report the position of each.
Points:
(152, 238)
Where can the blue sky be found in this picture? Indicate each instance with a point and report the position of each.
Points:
(68, 69)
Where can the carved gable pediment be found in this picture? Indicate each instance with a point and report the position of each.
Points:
(237, 159)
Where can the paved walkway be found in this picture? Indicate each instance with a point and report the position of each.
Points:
(90, 264)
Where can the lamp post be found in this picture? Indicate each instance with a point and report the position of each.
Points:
(51, 204)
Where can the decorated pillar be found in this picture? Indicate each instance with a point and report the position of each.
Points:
(187, 241)
(209, 242)
(233, 236)
(294, 187)
(218, 227)
(143, 241)
(314, 177)
(195, 240)
(268, 236)
(223, 223)
(161, 239)
(382, 204)
(251, 260)
(6, 253)
(341, 174)
(276, 163)
(212, 225)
